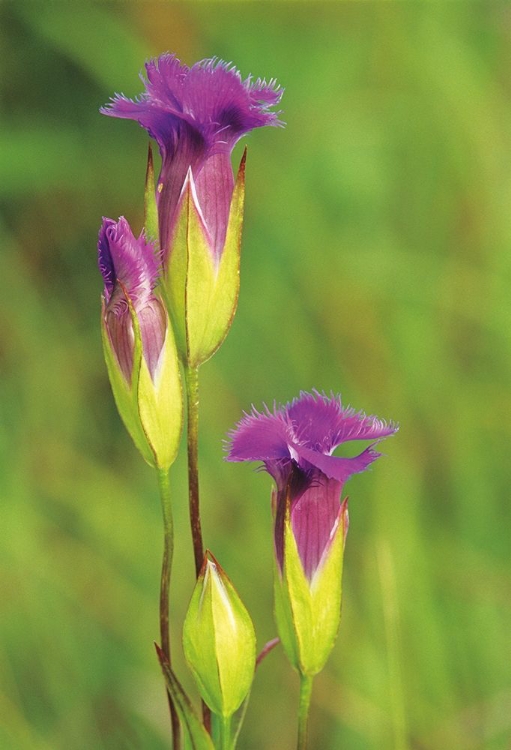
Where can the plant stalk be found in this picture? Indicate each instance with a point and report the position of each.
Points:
(192, 404)
(166, 568)
(224, 727)
(303, 711)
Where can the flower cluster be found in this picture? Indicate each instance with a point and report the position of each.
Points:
(170, 296)
(196, 115)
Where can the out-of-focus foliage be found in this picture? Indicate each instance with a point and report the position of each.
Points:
(376, 262)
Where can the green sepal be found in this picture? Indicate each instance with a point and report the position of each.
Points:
(160, 404)
(219, 640)
(125, 395)
(202, 295)
(197, 735)
(150, 205)
(152, 412)
(326, 596)
(307, 613)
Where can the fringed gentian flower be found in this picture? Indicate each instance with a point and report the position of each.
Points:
(138, 343)
(295, 444)
(197, 115)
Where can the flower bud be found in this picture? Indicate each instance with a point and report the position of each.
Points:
(138, 344)
(219, 640)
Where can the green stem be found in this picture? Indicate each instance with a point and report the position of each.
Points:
(303, 711)
(224, 727)
(166, 568)
(192, 404)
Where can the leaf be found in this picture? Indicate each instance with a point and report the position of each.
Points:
(197, 734)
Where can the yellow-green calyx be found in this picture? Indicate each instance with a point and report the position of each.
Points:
(308, 613)
(200, 287)
(150, 404)
(219, 640)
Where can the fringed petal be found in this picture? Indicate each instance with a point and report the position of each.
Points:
(130, 272)
(260, 437)
(197, 115)
(322, 423)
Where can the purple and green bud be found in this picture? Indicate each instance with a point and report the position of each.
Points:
(295, 444)
(197, 115)
(219, 640)
(138, 343)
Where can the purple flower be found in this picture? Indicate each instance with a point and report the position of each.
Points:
(130, 271)
(295, 444)
(197, 115)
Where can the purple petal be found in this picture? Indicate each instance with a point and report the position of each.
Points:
(260, 437)
(314, 517)
(153, 326)
(105, 259)
(174, 171)
(335, 467)
(122, 338)
(306, 430)
(315, 510)
(124, 259)
(214, 185)
(130, 270)
(210, 97)
(322, 423)
(197, 115)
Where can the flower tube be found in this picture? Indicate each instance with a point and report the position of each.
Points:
(295, 444)
(197, 115)
(139, 344)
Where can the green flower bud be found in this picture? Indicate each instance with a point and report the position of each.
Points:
(138, 344)
(219, 640)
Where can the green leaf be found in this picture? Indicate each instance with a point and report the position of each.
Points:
(197, 734)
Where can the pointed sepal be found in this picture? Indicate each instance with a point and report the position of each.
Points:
(150, 203)
(308, 613)
(202, 290)
(160, 404)
(219, 640)
(151, 407)
(197, 735)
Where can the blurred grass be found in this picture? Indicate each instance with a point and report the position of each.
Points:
(375, 262)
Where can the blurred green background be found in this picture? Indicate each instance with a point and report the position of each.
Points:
(376, 262)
